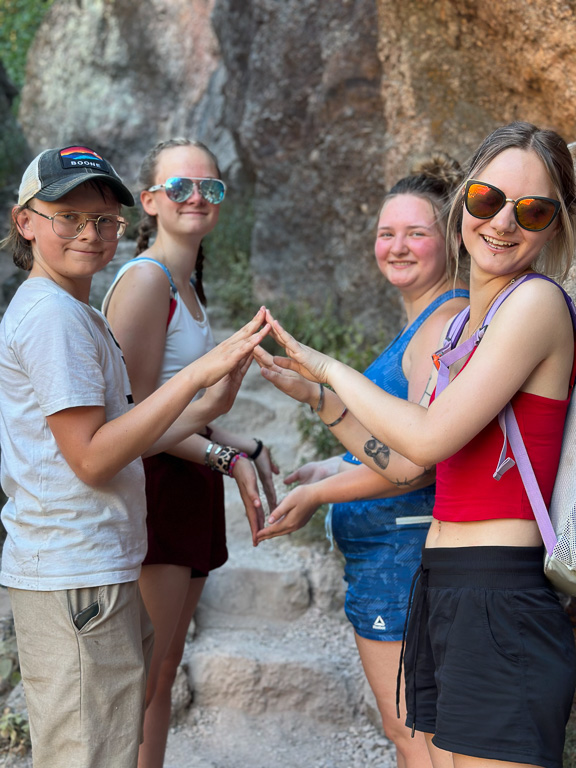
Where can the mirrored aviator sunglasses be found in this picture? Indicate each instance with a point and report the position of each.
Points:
(483, 201)
(180, 188)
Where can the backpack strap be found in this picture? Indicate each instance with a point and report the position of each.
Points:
(509, 425)
(451, 351)
(512, 434)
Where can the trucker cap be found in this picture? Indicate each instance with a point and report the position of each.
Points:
(55, 172)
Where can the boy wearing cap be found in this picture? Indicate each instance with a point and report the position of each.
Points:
(71, 443)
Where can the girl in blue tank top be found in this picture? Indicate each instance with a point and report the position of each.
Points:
(379, 525)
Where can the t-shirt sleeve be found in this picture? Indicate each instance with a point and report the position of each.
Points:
(58, 348)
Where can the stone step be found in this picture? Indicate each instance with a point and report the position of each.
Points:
(238, 596)
(273, 583)
(312, 667)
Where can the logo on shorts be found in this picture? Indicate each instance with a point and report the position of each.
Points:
(379, 623)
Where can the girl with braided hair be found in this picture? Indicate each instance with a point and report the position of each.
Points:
(380, 525)
(156, 307)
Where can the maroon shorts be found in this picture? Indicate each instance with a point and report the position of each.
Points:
(185, 518)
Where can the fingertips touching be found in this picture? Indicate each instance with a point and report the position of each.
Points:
(281, 362)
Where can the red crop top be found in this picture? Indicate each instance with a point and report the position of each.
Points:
(465, 487)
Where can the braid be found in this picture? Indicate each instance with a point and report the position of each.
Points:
(145, 229)
(199, 269)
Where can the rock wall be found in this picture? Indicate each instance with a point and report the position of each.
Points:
(14, 153)
(303, 90)
(454, 71)
(313, 107)
(288, 95)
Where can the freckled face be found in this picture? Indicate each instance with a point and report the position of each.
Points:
(410, 248)
(499, 246)
(194, 216)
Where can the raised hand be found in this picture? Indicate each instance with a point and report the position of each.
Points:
(266, 467)
(311, 364)
(314, 471)
(245, 477)
(291, 383)
(293, 512)
(219, 397)
(232, 352)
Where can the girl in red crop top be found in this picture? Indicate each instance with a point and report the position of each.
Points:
(498, 685)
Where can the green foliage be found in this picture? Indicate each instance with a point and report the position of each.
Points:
(317, 436)
(345, 340)
(227, 271)
(341, 337)
(19, 20)
(14, 733)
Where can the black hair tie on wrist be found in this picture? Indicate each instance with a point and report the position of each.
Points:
(257, 451)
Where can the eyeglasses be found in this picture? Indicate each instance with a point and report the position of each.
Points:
(70, 224)
(180, 188)
(483, 201)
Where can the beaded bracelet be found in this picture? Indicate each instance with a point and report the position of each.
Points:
(338, 420)
(254, 455)
(233, 461)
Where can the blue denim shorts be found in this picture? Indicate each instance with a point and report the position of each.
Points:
(382, 542)
(490, 659)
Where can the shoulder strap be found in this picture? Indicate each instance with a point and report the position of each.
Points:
(509, 426)
(451, 351)
(162, 266)
(455, 293)
(405, 336)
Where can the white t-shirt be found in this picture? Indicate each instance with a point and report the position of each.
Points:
(57, 353)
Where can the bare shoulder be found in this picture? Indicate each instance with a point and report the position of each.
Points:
(147, 275)
(531, 334)
(141, 297)
(143, 281)
(536, 304)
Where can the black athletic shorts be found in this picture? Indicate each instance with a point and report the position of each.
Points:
(490, 658)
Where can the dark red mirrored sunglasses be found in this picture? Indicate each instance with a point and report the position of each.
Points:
(483, 201)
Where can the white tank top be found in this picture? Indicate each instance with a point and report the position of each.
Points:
(187, 339)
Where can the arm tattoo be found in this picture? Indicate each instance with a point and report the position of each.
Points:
(378, 452)
(426, 473)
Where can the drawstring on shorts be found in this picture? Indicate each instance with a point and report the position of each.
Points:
(419, 573)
